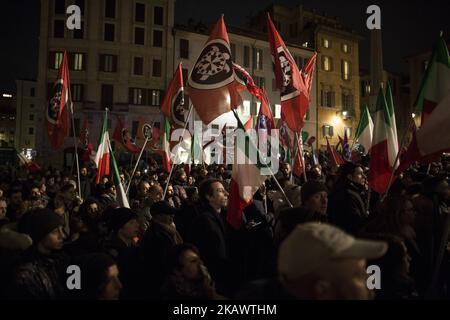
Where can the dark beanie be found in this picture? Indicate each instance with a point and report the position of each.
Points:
(161, 208)
(120, 216)
(310, 188)
(40, 222)
(94, 269)
(347, 168)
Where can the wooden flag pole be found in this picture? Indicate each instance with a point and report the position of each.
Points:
(136, 165)
(75, 143)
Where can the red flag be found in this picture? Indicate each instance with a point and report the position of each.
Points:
(308, 72)
(298, 163)
(84, 133)
(335, 157)
(57, 116)
(265, 117)
(172, 104)
(294, 92)
(246, 80)
(212, 84)
(30, 165)
(122, 135)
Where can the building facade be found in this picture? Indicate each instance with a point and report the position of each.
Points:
(250, 50)
(7, 120)
(26, 116)
(337, 81)
(119, 60)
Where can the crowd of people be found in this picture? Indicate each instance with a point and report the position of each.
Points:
(181, 246)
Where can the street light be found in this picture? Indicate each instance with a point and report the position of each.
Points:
(413, 115)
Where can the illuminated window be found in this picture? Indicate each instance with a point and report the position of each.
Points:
(345, 70)
(78, 61)
(326, 43)
(326, 63)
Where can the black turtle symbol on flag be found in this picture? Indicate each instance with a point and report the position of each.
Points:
(214, 67)
(55, 101)
(178, 110)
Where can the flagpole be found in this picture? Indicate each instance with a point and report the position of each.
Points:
(176, 156)
(76, 149)
(398, 157)
(136, 165)
(271, 172)
(301, 156)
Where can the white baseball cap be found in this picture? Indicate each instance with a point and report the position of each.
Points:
(312, 245)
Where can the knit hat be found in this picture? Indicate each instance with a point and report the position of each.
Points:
(39, 223)
(120, 216)
(310, 188)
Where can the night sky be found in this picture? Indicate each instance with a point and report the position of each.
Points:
(408, 27)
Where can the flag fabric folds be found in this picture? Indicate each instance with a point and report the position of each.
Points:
(173, 103)
(364, 131)
(436, 82)
(212, 84)
(245, 181)
(30, 165)
(122, 135)
(382, 152)
(295, 97)
(335, 158)
(102, 156)
(57, 116)
(121, 194)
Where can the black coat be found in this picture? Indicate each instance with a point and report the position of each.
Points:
(347, 207)
(85, 187)
(208, 232)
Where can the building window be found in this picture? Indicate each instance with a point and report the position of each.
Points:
(327, 131)
(139, 35)
(134, 128)
(139, 14)
(345, 70)
(77, 92)
(327, 63)
(78, 33)
(109, 32)
(157, 38)
(77, 61)
(32, 92)
(138, 66)
(257, 59)
(58, 29)
(31, 117)
(157, 66)
(246, 56)
(345, 48)
(365, 88)
(277, 111)
(110, 8)
(327, 98)
(299, 61)
(107, 96)
(347, 103)
(108, 63)
(30, 131)
(137, 96)
(259, 81)
(184, 49)
(326, 43)
(348, 131)
(60, 7)
(156, 97)
(56, 59)
(32, 106)
(158, 14)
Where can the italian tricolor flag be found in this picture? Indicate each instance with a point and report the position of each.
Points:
(435, 84)
(364, 132)
(167, 162)
(121, 194)
(246, 178)
(102, 156)
(384, 146)
(432, 138)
